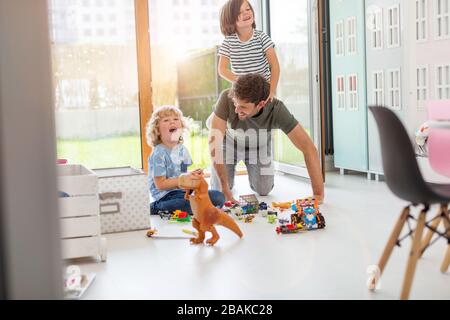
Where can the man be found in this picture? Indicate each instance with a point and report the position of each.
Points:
(240, 129)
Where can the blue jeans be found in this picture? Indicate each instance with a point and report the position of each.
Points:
(174, 200)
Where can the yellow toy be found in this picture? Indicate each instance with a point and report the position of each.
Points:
(282, 205)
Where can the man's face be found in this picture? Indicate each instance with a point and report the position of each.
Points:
(246, 109)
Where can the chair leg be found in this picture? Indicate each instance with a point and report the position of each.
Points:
(430, 233)
(393, 239)
(446, 261)
(413, 257)
(374, 278)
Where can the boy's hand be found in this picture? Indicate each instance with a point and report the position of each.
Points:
(197, 172)
(270, 98)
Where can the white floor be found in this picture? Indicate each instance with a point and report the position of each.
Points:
(325, 264)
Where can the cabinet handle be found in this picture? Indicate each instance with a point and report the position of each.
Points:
(110, 208)
(110, 195)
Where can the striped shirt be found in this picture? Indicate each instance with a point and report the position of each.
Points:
(248, 57)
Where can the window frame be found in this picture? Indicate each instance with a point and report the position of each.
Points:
(378, 90)
(144, 74)
(352, 38)
(353, 96)
(422, 87)
(437, 18)
(393, 28)
(340, 94)
(421, 19)
(392, 90)
(444, 86)
(377, 33)
(339, 41)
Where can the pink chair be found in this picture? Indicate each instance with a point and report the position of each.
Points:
(439, 138)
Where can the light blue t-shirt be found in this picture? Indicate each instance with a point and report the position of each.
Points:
(169, 163)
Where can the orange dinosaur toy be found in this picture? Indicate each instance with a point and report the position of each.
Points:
(205, 214)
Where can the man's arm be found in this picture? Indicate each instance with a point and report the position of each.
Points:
(216, 135)
(303, 142)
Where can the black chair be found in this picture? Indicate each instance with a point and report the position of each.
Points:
(405, 180)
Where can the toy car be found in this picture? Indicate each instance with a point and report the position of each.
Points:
(249, 209)
(165, 214)
(290, 228)
(272, 219)
(263, 206)
(151, 232)
(228, 204)
(249, 218)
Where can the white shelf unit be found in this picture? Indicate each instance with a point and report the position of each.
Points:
(79, 213)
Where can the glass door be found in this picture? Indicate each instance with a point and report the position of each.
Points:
(95, 78)
(293, 28)
(184, 37)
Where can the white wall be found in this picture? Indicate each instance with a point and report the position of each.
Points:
(28, 207)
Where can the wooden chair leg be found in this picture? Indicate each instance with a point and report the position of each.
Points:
(393, 239)
(446, 262)
(430, 233)
(413, 257)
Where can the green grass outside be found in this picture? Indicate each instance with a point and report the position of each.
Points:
(111, 152)
(126, 151)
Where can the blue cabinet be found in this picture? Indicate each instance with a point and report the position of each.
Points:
(348, 60)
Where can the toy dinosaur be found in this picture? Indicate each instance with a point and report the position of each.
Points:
(205, 214)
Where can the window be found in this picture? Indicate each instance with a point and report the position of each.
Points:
(378, 88)
(340, 83)
(422, 84)
(353, 92)
(339, 38)
(177, 53)
(394, 89)
(394, 26)
(95, 88)
(351, 40)
(376, 26)
(421, 20)
(442, 19)
(443, 82)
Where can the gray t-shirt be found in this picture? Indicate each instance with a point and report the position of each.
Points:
(275, 115)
